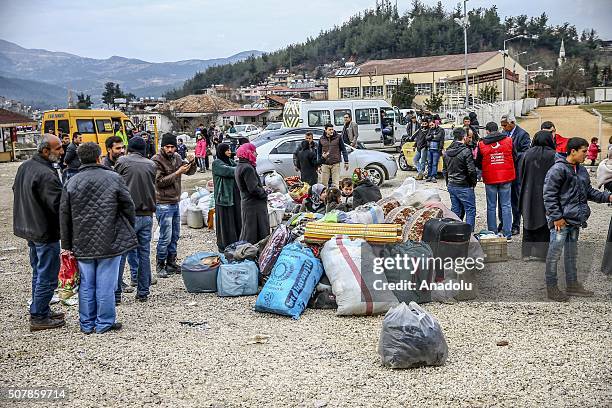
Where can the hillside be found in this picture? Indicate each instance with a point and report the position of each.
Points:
(422, 31)
(89, 75)
(37, 94)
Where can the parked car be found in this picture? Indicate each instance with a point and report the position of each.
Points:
(406, 157)
(275, 153)
(274, 126)
(249, 131)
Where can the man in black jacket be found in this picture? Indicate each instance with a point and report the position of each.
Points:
(71, 159)
(460, 174)
(37, 191)
(114, 150)
(435, 144)
(567, 187)
(97, 224)
(305, 160)
(420, 146)
(138, 172)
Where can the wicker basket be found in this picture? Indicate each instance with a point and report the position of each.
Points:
(495, 249)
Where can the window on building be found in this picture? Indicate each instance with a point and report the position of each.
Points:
(391, 89)
(367, 116)
(372, 91)
(104, 126)
(447, 87)
(422, 89)
(339, 116)
(318, 117)
(349, 92)
(85, 126)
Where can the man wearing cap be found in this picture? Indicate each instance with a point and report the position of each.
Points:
(139, 173)
(170, 168)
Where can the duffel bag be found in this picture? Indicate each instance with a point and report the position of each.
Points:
(405, 272)
(237, 279)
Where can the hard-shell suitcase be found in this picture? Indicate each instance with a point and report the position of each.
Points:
(448, 238)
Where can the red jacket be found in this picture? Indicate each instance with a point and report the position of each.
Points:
(200, 150)
(561, 143)
(496, 159)
(593, 151)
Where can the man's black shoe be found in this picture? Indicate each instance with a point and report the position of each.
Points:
(171, 265)
(46, 323)
(516, 231)
(141, 298)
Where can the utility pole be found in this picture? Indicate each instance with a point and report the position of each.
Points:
(464, 22)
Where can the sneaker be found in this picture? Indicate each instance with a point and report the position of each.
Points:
(46, 324)
(515, 231)
(509, 239)
(141, 298)
(419, 176)
(576, 289)
(433, 180)
(555, 294)
(128, 289)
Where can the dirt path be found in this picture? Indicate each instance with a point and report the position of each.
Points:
(570, 121)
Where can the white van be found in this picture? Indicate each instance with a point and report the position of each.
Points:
(368, 114)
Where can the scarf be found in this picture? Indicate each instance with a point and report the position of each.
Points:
(221, 149)
(359, 176)
(543, 139)
(247, 151)
(315, 194)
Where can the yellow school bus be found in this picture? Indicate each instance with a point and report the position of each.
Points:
(95, 125)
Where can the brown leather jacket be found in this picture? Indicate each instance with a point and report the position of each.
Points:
(168, 184)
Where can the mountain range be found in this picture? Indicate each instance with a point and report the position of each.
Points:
(41, 77)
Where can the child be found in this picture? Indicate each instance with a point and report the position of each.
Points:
(567, 187)
(594, 150)
(315, 202)
(333, 201)
(181, 149)
(200, 152)
(365, 191)
(347, 192)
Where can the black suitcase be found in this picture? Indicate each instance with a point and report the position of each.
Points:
(448, 238)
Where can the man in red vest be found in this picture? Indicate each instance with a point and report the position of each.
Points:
(496, 157)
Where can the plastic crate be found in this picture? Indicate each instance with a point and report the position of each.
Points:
(495, 249)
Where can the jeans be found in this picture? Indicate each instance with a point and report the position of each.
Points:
(45, 262)
(501, 192)
(139, 258)
(463, 201)
(169, 220)
(565, 240)
(97, 293)
(334, 171)
(434, 157)
(420, 160)
(118, 288)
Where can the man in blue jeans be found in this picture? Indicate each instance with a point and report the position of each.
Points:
(97, 224)
(496, 157)
(460, 174)
(36, 198)
(138, 172)
(420, 147)
(435, 144)
(170, 168)
(567, 189)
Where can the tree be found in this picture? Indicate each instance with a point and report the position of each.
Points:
(112, 91)
(403, 95)
(434, 102)
(568, 80)
(489, 93)
(84, 101)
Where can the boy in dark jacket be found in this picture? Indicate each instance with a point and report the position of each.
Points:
(346, 186)
(420, 148)
(460, 175)
(567, 188)
(365, 191)
(97, 224)
(435, 144)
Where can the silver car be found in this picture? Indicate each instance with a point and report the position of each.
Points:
(275, 153)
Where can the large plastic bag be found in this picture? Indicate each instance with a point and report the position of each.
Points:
(183, 205)
(275, 182)
(422, 196)
(68, 279)
(408, 187)
(348, 265)
(291, 283)
(198, 194)
(277, 200)
(369, 213)
(269, 254)
(407, 272)
(411, 337)
(237, 279)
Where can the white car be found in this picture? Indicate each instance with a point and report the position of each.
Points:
(248, 131)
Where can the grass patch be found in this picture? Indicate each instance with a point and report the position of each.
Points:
(604, 108)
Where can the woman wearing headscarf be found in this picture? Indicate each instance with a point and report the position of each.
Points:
(532, 170)
(228, 220)
(364, 191)
(254, 199)
(315, 202)
(604, 179)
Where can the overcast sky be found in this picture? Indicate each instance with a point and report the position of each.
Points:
(166, 30)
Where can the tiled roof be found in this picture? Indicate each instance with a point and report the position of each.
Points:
(197, 104)
(7, 117)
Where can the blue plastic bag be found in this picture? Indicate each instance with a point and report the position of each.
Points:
(291, 283)
(237, 279)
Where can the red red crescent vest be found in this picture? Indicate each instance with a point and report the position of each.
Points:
(497, 161)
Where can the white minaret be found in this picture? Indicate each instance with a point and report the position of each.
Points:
(561, 58)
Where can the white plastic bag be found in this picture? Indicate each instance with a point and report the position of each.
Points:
(276, 183)
(183, 205)
(421, 196)
(408, 187)
(355, 288)
(369, 213)
(198, 194)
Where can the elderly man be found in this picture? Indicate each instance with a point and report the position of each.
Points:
(521, 142)
(37, 191)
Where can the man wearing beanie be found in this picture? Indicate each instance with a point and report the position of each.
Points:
(170, 168)
(139, 175)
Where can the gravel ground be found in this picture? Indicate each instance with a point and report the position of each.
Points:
(558, 354)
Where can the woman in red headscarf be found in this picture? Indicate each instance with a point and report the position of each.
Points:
(253, 197)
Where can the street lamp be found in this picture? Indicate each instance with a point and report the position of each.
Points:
(464, 22)
(504, 53)
(514, 71)
(527, 77)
